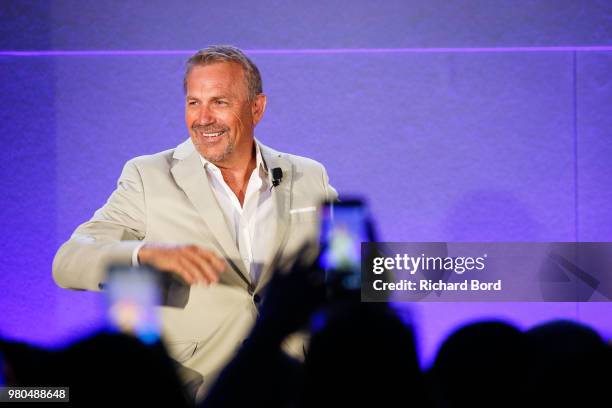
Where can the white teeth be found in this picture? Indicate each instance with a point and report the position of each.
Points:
(212, 134)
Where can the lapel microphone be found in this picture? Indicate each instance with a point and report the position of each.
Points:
(277, 176)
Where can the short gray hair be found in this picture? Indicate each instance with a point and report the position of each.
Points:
(226, 53)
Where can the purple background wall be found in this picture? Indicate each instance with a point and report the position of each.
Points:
(460, 121)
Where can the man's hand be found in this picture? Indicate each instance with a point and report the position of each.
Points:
(190, 262)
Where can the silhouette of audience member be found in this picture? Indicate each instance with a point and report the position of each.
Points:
(362, 355)
(569, 365)
(261, 374)
(359, 353)
(106, 369)
(26, 365)
(480, 365)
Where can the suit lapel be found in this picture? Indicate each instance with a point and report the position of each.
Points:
(281, 195)
(190, 176)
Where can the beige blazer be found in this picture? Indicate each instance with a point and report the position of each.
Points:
(166, 198)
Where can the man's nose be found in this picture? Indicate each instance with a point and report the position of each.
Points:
(205, 116)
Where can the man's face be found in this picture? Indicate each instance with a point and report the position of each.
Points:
(219, 115)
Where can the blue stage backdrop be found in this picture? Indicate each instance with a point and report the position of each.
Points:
(459, 121)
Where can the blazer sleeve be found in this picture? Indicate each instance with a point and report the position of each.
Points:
(109, 237)
(330, 193)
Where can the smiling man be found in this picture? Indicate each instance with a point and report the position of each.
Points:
(216, 214)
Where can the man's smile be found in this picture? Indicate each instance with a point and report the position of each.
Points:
(210, 135)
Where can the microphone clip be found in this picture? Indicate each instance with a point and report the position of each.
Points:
(277, 176)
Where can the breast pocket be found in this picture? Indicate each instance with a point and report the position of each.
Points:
(304, 215)
(304, 228)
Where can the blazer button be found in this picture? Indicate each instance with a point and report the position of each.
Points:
(256, 299)
(251, 289)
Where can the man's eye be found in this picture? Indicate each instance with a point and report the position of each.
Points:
(220, 102)
(192, 103)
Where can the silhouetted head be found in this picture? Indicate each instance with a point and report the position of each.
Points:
(570, 364)
(105, 369)
(361, 354)
(481, 364)
(25, 365)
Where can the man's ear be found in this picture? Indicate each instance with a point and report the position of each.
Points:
(258, 107)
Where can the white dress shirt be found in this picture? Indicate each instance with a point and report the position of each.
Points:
(252, 225)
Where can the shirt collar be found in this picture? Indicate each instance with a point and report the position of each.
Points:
(260, 165)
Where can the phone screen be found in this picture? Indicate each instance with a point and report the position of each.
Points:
(344, 226)
(133, 294)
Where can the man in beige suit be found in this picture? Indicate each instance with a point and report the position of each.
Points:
(216, 213)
